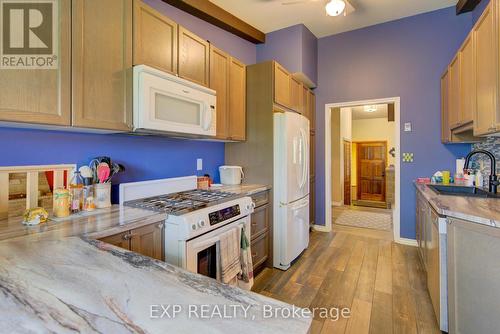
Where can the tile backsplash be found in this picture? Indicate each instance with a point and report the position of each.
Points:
(492, 144)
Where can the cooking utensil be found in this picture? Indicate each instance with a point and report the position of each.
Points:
(86, 171)
(103, 172)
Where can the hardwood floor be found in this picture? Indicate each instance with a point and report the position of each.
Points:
(383, 283)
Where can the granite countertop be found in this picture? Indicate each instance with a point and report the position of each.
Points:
(484, 211)
(97, 224)
(55, 277)
(80, 285)
(243, 189)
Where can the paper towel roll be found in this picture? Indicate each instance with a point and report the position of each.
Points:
(460, 166)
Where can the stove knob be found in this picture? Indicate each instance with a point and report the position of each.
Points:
(194, 227)
(201, 223)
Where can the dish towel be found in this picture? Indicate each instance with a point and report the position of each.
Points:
(230, 256)
(245, 279)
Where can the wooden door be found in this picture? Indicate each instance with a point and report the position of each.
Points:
(454, 91)
(347, 172)
(155, 38)
(237, 100)
(121, 240)
(371, 163)
(102, 64)
(445, 102)
(295, 92)
(219, 81)
(194, 55)
(148, 241)
(41, 95)
(281, 86)
(486, 67)
(467, 84)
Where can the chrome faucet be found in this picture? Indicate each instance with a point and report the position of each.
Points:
(493, 180)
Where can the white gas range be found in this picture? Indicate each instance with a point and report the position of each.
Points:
(194, 219)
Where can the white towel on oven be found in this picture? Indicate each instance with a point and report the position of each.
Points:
(230, 255)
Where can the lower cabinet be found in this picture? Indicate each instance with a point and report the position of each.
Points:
(146, 240)
(260, 231)
(473, 277)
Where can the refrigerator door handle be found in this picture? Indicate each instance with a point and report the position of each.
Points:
(303, 158)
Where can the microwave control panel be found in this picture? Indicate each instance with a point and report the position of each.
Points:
(224, 214)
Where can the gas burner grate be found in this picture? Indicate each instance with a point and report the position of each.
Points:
(183, 202)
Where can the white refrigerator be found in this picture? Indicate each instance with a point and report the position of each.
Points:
(291, 187)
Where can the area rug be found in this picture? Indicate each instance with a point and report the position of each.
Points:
(374, 220)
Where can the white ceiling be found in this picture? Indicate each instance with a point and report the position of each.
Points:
(271, 15)
(360, 113)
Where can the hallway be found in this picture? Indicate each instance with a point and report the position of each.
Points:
(383, 283)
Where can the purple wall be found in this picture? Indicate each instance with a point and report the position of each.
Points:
(476, 13)
(294, 47)
(309, 54)
(145, 157)
(402, 58)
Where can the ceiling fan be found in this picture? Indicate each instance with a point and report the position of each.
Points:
(332, 7)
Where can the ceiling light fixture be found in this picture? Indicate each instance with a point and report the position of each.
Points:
(370, 108)
(335, 7)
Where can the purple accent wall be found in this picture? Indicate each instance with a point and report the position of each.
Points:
(402, 58)
(476, 13)
(238, 47)
(309, 54)
(294, 47)
(144, 157)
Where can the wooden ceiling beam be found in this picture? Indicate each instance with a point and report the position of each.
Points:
(464, 6)
(219, 17)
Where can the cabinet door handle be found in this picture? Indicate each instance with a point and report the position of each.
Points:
(127, 236)
(161, 225)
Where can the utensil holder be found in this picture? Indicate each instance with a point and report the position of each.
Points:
(102, 195)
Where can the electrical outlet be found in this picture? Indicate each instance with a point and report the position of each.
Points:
(199, 164)
(408, 127)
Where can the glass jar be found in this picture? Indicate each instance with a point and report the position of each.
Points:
(61, 202)
(88, 195)
(76, 192)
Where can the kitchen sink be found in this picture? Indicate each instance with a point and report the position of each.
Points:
(462, 191)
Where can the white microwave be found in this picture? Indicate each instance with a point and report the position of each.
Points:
(165, 103)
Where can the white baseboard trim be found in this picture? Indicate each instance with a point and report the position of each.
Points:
(322, 228)
(337, 203)
(408, 242)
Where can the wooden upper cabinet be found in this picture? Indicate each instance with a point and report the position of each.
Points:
(445, 128)
(148, 241)
(454, 91)
(486, 69)
(102, 64)
(281, 86)
(304, 101)
(311, 103)
(467, 84)
(194, 55)
(41, 95)
(295, 94)
(237, 100)
(219, 81)
(155, 38)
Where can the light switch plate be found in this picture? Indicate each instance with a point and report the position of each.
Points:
(408, 127)
(199, 164)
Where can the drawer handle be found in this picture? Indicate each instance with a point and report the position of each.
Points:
(254, 254)
(254, 224)
(127, 236)
(161, 225)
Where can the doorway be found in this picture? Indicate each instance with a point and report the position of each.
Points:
(374, 183)
(347, 172)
